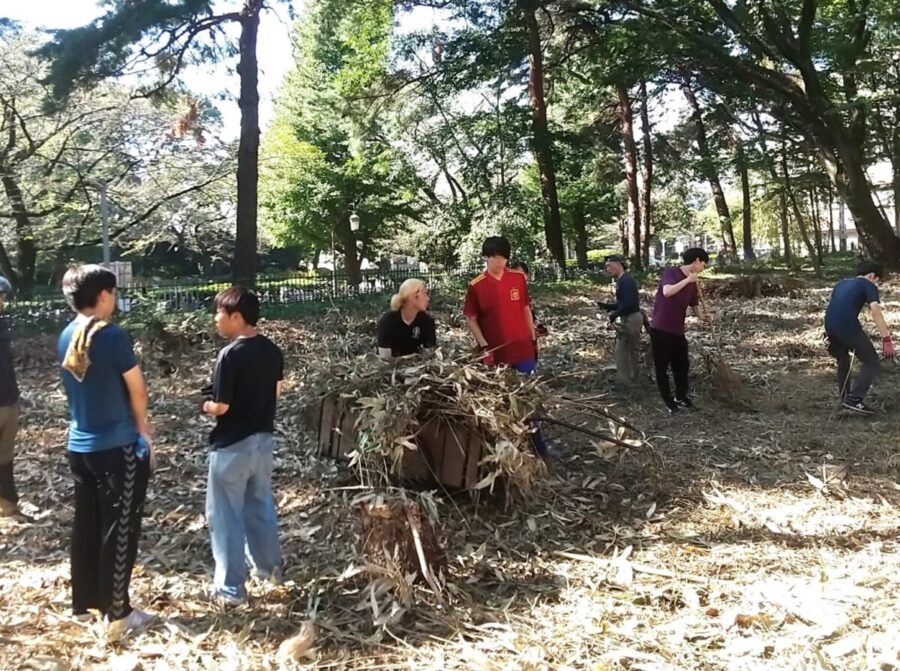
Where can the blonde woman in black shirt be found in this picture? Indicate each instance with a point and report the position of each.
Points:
(407, 327)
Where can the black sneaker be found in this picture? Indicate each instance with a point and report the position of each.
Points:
(857, 406)
(684, 403)
(672, 407)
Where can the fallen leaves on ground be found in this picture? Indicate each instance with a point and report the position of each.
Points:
(641, 558)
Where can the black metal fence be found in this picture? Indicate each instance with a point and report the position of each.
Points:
(167, 296)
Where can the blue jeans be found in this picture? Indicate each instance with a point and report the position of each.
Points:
(537, 438)
(240, 511)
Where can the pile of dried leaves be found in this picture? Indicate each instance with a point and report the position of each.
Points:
(499, 407)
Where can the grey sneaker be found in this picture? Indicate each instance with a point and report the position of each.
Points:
(276, 577)
(228, 602)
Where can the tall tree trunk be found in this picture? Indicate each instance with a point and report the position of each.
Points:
(351, 258)
(782, 198)
(831, 217)
(801, 224)
(626, 119)
(816, 222)
(710, 171)
(785, 228)
(846, 169)
(541, 135)
(248, 148)
(646, 194)
(581, 237)
(746, 213)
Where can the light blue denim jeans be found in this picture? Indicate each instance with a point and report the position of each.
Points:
(240, 511)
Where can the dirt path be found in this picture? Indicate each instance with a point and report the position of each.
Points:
(734, 540)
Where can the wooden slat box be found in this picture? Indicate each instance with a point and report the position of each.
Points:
(447, 454)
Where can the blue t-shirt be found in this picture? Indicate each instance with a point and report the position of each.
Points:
(847, 299)
(99, 407)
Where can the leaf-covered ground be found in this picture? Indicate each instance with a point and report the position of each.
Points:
(762, 539)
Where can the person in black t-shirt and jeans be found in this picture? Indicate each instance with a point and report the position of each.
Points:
(407, 327)
(240, 508)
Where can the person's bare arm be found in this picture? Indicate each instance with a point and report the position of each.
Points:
(529, 319)
(279, 387)
(475, 329)
(137, 395)
(878, 318)
(699, 313)
(215, 409)
(670, 290)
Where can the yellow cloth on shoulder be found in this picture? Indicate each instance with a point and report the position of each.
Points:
(77, 360)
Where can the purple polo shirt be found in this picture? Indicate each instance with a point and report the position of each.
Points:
(668, 313)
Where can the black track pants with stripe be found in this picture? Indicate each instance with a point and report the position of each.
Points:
(110, 488)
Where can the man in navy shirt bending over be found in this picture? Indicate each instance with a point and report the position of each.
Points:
(845, 333)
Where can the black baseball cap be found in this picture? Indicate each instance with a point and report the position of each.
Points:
(617, 258)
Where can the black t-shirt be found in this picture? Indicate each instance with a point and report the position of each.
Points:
(403, 338)
(9, 390)
(246, 378)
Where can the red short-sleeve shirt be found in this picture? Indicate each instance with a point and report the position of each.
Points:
(500, 306)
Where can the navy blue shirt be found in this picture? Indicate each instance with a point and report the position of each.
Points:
(627, 297)
(847, 299)
(99, 407)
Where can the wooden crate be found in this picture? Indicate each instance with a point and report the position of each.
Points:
(447, 454)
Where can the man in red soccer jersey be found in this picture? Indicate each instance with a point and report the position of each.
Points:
(498, 310)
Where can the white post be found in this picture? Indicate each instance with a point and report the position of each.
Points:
(333, 265)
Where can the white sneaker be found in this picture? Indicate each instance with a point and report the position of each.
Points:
(131, 623)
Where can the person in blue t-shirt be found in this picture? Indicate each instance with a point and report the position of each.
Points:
(109, 446)
(845, 333)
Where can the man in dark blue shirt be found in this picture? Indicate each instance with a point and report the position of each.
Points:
(627, 310)
(845, 333)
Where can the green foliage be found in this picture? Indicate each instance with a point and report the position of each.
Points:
(107, 47)
(324, 156)
(166, 176)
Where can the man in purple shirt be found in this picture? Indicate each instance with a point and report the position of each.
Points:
(676, 293)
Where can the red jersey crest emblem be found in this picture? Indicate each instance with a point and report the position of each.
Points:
(514, 294)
